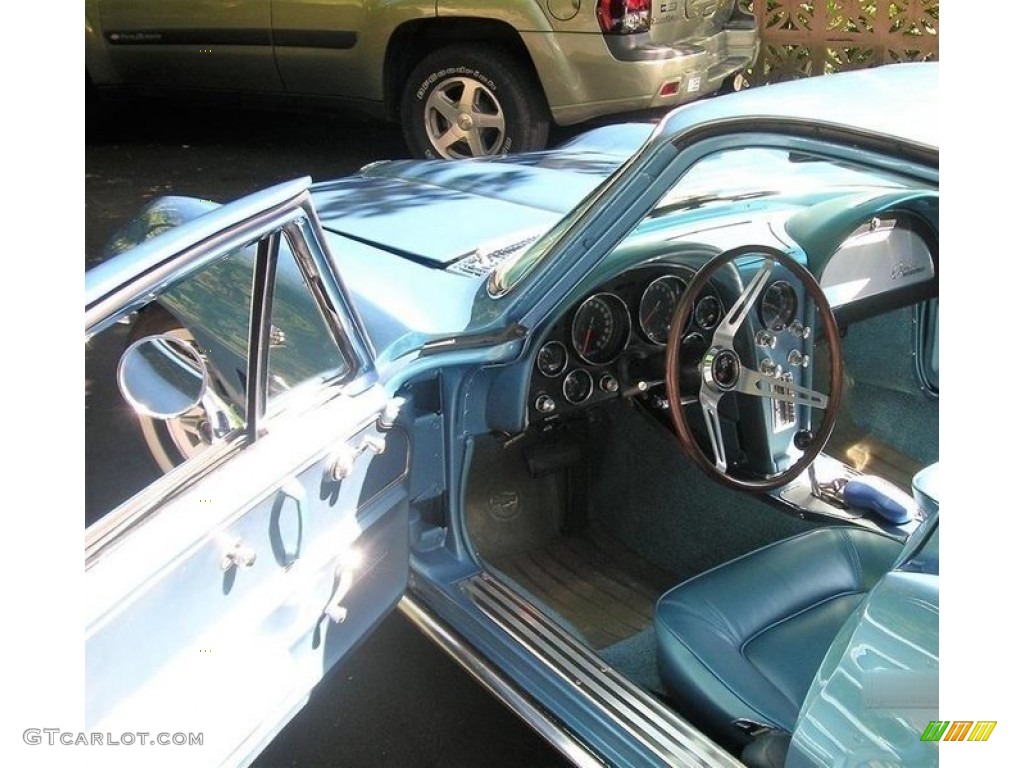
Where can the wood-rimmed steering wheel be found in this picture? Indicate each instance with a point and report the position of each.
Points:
(721, 370)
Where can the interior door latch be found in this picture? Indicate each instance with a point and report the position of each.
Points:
(344, 577)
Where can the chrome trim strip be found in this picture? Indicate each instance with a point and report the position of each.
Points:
(560, 658)
(495, 683)
(659, 728)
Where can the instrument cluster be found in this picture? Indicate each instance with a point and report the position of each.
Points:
(612, 344)
(586, 356)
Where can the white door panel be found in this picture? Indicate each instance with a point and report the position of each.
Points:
(181, 640)
(220, 592)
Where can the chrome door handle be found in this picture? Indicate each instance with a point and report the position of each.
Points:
(342, 461)
(239, 556)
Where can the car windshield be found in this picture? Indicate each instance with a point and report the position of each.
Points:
(727, 176)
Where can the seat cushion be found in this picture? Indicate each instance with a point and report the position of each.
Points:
(743, 640)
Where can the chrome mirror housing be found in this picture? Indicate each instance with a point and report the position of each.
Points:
(162, 376)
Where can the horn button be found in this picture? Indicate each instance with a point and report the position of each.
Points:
(722, 368)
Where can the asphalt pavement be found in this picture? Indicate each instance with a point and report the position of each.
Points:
(397, 700)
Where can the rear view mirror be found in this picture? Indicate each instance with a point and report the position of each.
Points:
(162, 376)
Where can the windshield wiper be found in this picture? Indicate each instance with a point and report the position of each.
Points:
(697, 201)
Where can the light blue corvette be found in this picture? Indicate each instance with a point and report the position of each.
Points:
(643, 431)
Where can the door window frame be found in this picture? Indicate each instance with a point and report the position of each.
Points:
(297, 221)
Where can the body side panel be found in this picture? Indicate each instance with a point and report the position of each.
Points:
(203, 44)
(354, 69)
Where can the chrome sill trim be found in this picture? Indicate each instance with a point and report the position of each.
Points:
(603, 682)
(494, 682)
(652, 723)
(599, 683)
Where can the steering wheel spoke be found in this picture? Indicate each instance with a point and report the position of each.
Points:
(709, 407)
(761, 384)
(737, 314)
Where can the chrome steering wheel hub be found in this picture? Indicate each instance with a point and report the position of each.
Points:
(721, 369)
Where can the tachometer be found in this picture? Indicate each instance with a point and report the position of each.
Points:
(778, 305)
(600, 329)
(657, 306)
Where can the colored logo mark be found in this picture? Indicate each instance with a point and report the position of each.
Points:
(958, 730)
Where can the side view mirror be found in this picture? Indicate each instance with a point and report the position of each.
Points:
(162, 376)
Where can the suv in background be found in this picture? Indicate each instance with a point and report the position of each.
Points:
(465, 77)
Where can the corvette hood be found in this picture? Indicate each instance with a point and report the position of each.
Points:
(436, 212)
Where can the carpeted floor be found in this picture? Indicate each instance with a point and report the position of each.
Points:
(655, 501)
(604, 590)
(887, 425)
(636, 657)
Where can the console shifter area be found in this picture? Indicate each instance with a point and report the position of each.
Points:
(832, 489)
(879, 496)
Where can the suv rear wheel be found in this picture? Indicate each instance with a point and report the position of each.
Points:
(469, 101)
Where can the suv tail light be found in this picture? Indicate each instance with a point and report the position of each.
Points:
(624, 17)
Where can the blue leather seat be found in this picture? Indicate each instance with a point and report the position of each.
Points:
(744, 640)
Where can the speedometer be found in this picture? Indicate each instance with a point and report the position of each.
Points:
(658, 305)
(600, 329)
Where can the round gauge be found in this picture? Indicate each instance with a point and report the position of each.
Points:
(578, 386)
(600, 329)
(778, 305)
(552, 358)
(657, 306)
(707, 313)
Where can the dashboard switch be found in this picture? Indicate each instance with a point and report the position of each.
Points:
(764, 339)
(609, 384)
(799, 330)
(544, 404)
(797, 359)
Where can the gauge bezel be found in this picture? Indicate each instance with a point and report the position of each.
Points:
(590, 389)
(565, 361)
(625, 336)
(696, 315)
(779, 284)
(639, 309)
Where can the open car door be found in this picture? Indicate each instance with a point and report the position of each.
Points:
(247, 513)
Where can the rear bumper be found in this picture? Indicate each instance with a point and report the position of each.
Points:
(593, 77)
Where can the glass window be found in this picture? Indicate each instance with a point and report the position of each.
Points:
(209, 311)
(752, 172)
(198, 330)
(303, 350)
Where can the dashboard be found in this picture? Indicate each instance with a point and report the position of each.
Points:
(610, 343)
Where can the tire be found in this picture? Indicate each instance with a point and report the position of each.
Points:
(469, 101)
